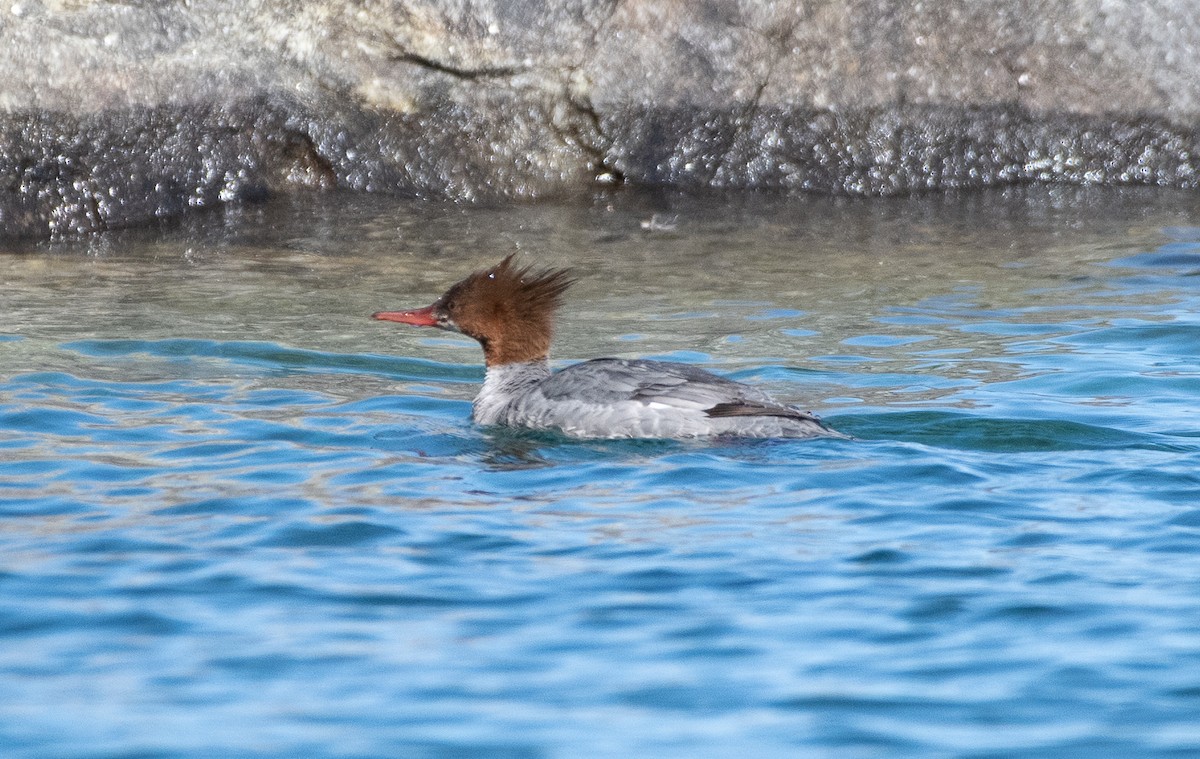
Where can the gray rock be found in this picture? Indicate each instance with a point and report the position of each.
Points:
(114, 114)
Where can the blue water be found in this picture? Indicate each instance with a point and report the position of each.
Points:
(231, 528)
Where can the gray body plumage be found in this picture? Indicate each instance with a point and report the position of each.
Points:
(620, 398)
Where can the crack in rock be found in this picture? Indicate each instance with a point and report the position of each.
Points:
(466, 74)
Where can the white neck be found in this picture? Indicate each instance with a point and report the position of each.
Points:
(502, 385)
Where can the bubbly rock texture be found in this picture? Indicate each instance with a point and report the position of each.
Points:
(114, 114)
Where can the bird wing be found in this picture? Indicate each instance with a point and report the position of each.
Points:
(613, 380)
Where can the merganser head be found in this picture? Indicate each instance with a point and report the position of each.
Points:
(508, 309)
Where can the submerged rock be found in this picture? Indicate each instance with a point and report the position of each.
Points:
(115, 114)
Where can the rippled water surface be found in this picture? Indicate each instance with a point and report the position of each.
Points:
(240, 519)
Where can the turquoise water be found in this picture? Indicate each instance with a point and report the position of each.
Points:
(240, 519)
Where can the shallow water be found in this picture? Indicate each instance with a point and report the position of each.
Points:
(240, 519)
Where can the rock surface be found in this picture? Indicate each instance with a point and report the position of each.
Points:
(114, 114)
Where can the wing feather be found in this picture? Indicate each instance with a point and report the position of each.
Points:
(636, 398)
(612, 380)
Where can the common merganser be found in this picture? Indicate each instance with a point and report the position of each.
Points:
(510, 310)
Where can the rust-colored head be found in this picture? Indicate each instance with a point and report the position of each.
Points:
(509, 309)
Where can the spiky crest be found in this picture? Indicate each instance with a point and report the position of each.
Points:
(509, 309)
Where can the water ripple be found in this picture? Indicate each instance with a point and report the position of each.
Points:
(294, 546)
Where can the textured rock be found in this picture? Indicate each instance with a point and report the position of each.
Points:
(114, 114)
